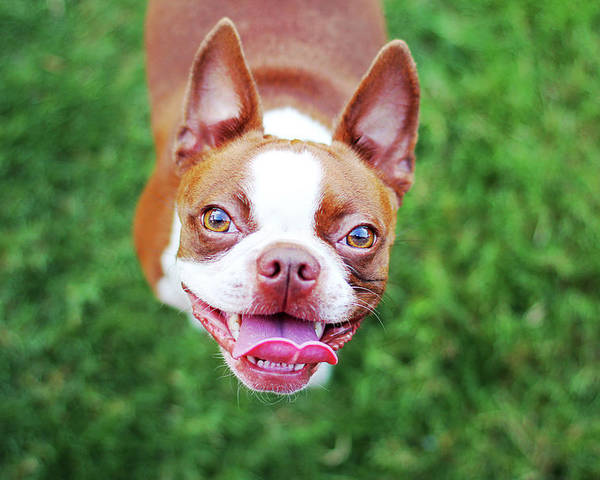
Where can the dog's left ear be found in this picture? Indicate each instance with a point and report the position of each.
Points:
(222, 101)
(380, 121)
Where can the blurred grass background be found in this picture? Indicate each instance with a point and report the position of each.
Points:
(487, 363)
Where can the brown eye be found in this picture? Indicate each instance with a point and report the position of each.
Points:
(361, 237)
(217, 220)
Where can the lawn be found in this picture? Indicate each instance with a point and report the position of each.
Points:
(485, 363)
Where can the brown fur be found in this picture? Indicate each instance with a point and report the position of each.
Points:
(291, 46)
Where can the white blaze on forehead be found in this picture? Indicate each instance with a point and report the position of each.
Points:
(285, 190)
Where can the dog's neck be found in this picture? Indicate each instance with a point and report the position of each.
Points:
(291, 124)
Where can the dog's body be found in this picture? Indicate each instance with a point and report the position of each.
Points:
(269, 235)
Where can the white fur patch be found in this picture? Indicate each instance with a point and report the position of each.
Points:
(168, 288)
(285, 190)
(289, 123)
(321, 377)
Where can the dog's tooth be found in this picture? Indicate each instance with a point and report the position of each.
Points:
(290, 367)
(234, 322)
(319, 329)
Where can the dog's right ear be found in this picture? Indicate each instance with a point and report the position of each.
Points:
(221, 102)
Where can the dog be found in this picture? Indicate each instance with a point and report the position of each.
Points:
(285, 145)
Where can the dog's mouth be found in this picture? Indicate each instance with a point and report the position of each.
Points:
(276, 352)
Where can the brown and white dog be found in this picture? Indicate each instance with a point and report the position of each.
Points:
(280, 167)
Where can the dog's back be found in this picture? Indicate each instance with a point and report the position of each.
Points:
(307, 53)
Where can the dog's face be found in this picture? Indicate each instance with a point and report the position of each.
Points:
(284, 245)
(283, 240)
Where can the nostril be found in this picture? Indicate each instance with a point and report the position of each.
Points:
(308, 272)
(270, 269)
(275, 268)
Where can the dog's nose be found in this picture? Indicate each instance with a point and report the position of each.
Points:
(287, 271)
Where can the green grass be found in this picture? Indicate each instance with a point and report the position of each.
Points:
(487, 366)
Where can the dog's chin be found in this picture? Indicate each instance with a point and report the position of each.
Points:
(263, 380)
(268, 374)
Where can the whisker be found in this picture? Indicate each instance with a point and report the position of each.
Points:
(226, 375)
(378, 296)
(368, 290)
(358, 275)
(371, 311)
(366, 307)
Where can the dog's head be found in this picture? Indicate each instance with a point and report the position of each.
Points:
(284, 245)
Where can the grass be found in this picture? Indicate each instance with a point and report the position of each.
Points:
(487, 364)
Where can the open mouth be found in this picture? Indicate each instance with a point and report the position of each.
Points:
(272, 352)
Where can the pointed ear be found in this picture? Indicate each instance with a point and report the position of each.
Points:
(222, 101)
(380, 121)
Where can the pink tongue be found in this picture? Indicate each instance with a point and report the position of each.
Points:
(281, 338)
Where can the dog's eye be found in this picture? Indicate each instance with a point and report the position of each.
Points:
(217, 220)
(361, 237)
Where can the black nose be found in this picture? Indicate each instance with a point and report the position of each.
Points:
(287, 271)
